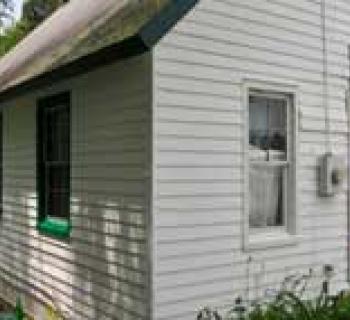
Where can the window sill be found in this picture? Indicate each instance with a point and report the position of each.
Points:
(56, 228)
(267, 240)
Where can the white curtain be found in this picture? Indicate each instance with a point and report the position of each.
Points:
(265, 190)
(265, 184)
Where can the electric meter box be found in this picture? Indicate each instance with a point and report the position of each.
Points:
(331, 175)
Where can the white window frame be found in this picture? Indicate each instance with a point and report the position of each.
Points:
(254, 239)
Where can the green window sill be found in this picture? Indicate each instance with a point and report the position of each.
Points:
(57, 228)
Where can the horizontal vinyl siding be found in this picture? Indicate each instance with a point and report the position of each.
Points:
(200, 69)
(102, 271)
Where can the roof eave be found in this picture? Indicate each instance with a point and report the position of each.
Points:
(140, 43)
(122, 50)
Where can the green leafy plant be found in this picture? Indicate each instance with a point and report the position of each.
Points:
(291, 303)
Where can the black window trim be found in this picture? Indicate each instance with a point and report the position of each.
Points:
(46, 224)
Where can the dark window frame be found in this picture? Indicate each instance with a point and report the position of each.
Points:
(58, 227)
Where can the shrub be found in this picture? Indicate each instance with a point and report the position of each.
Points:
(290, 303)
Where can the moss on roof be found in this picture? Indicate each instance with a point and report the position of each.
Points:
(76, 30)
(112, 29)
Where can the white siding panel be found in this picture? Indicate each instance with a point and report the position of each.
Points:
(102, 272)
(200, 68)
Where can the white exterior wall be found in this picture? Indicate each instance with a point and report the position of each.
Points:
(102, 271)
(200, 69)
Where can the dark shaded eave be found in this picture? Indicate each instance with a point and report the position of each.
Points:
(119, 51)
(140, 43)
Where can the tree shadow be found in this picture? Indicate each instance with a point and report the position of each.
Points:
(110, 269)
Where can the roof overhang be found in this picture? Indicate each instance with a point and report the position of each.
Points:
(142, 41)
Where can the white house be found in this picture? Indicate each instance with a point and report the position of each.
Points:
(159, 156)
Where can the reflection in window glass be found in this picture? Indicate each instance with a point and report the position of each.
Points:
(267, 128)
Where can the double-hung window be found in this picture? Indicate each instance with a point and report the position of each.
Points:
(271, 182)
(53, 165)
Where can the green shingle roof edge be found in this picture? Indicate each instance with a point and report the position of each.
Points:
(80, 56)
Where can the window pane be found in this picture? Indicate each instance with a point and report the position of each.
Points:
(258, 128)
(267, 128)
(57, 133)
(58, 191)
(266, 203)
(277, 111)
